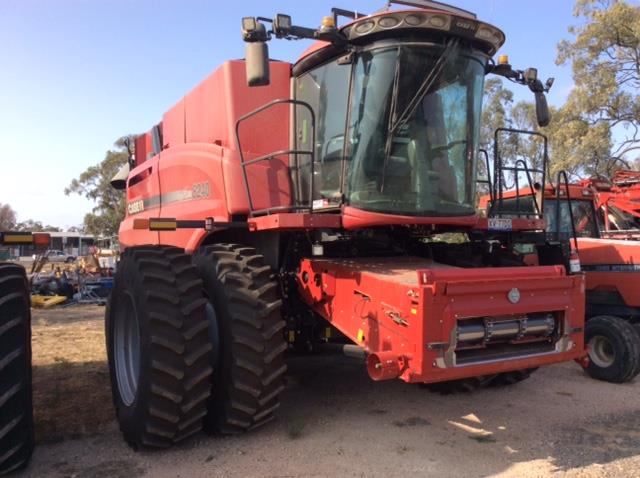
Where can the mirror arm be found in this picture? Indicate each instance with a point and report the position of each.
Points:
(528, 77)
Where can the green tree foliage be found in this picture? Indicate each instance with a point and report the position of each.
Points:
(7, 217)
(93, 184)
(498, 101)
(9, 222)
(500, 111)
(35, 226)
(497, 104)
(597, 130)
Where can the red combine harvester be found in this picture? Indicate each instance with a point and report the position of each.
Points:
(283, 205)
(609, 257)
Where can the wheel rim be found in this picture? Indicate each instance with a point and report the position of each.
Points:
(127, 349)
(601, 351)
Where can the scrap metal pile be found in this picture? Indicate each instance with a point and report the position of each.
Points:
(74, 280)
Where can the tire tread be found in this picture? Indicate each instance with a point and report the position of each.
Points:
(245, 296)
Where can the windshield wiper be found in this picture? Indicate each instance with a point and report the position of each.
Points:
(395, 122)
(450, 48)
(392, 109)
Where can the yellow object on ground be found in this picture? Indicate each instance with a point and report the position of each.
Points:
(46, 301)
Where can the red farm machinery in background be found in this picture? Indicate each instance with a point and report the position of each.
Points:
(284, 205)
(593, 215)
(618, 200)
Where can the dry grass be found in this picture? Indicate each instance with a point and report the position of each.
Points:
(70, 373)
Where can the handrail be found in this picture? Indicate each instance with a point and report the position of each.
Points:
(488, 180)
(498, 169)
(526, 170)
(288, 152)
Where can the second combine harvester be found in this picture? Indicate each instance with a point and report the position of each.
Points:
(282, 203)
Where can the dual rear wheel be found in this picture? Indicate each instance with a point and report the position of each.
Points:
(193, 342)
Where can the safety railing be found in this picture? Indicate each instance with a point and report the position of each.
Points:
(516, 168)
(296, 192)
(486, 181)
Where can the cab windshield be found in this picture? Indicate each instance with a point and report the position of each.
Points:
(397, 129)
(413, 130)
(584, 217)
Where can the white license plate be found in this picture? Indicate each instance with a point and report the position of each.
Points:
(500, 224)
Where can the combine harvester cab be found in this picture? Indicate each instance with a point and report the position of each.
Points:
(606, 243)
(288, 205)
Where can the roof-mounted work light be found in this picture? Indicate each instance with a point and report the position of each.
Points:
(282, 25)
(253, 30)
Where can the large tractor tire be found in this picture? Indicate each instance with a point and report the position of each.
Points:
(16, 409)
(614, 349)
(246, 331)
(158, 347)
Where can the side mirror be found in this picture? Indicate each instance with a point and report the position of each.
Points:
(257, 63)
(119, 181)
(542, 109)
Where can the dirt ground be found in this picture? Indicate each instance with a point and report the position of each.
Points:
(334, 421)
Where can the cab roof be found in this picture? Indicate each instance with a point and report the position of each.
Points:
(395, 23)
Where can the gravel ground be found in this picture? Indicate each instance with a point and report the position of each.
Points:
(334, 421)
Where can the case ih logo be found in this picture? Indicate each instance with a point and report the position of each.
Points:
(197, 191)
(514, 295)
(135, 207)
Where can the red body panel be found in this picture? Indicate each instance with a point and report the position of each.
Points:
(198, 182)
(356, 218)
(407, 309)
(292, 221)
(611, 254)
(143, 148)
(142, 187)
(198, 173)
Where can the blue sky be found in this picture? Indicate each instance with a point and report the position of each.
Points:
(77, 74)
